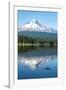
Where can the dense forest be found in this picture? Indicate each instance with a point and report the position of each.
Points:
(25, 40)
(26, 43)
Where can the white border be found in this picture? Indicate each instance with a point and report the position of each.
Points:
(13, 47)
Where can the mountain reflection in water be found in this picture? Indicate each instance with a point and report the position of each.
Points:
(35, 62)
(40, 63)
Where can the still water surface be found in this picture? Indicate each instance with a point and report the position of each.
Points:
(40, 63)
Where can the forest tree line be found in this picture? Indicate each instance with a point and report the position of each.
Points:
(29, 40)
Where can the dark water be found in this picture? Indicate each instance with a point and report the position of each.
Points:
(37, 63)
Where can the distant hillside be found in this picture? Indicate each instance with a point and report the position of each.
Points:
(39, 35)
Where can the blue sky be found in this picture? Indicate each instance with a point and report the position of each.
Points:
(44, 17)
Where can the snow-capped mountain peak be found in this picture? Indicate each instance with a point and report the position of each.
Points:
(33, 21)
(35, 25)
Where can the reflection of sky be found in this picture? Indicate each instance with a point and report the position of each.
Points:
(34, 62)
(45, 18)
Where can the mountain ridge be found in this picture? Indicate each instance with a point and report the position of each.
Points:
(35, 25)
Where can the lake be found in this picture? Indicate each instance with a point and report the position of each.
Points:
(37, 62)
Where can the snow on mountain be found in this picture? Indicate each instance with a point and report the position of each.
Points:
(34, 25)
